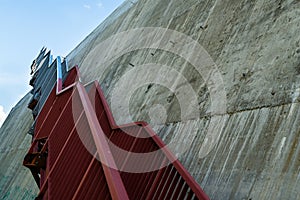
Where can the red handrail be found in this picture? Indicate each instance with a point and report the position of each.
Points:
(55, 125)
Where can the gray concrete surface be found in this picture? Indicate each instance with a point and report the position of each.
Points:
(256, 47)
(16, 181)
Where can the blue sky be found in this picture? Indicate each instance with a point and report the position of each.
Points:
(28, 25)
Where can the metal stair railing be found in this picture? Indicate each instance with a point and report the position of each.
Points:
(65, 169)
(159, 177)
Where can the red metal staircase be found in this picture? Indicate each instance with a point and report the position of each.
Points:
(65, 168)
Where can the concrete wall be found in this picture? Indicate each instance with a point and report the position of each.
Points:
(16, 181)
(256, 48)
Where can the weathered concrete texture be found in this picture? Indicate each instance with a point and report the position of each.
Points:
(256, 45)
(16, 181)
(257, 156)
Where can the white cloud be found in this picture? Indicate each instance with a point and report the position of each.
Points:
(100, 5)
(2, 115)
(87, 6)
